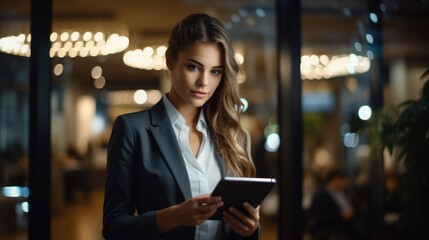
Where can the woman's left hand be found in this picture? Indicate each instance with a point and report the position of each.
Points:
(242, 224)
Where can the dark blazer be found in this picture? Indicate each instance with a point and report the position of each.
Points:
(145, 173)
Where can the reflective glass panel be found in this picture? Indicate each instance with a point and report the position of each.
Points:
(357, 58)
(94, 82)
(14, 123)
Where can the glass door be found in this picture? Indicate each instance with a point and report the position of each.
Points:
(108, 59)
(14, 118)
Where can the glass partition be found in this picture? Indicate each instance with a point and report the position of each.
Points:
(94, 82)
(108, 59)
(14, 113)
(336, 68)
(343, 60)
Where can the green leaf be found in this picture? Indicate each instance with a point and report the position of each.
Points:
(425, 73)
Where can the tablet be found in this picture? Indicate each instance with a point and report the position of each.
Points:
(237, 190)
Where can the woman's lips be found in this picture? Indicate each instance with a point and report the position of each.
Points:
(199, 94)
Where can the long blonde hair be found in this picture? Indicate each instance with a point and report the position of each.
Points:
(223, 109)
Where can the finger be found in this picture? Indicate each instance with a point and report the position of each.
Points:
(249, 207)
(231, 219)
(235, 224)
(253, 212)
(238, 214)
(238, 226)
(208, 200)
(203, 208)
(211, 208)
(248, 221)
(206, 203)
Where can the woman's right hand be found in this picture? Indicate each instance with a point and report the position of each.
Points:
(189, 213)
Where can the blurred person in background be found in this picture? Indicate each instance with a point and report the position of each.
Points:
(332, 214)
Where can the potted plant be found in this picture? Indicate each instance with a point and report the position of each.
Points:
(405, 130)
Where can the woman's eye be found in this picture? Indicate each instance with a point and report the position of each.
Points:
(192, 67)
(216, 72)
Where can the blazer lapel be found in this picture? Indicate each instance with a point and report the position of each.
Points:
(164, 136)
(221, 164)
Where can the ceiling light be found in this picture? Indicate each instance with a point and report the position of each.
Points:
(68, 44)
(146, 58)
(335, 66)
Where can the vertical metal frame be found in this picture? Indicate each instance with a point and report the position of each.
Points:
(376, 203)
(290, 217)
(375, 29)
(39, 222)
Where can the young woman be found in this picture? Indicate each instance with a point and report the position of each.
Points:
(164, 162)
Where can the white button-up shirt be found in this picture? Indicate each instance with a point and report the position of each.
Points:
(203, 170)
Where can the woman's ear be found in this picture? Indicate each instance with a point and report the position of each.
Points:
(169, 60)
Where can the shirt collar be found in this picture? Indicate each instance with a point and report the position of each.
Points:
(177, 119)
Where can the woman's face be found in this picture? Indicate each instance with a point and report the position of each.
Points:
(196, 74)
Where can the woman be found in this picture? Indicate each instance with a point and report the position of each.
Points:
(164, 162)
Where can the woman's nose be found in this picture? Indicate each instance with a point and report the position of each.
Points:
(203, 79)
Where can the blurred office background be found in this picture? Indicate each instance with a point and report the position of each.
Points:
(107, 58)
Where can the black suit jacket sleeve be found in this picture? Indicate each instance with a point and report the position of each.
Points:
(119, 205)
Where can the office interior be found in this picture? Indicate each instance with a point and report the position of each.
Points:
(107, 58)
